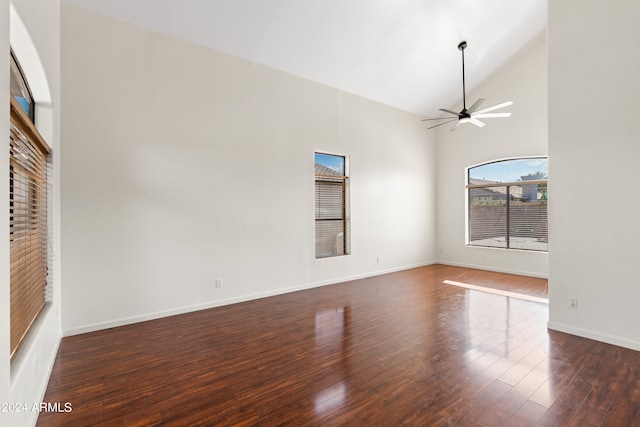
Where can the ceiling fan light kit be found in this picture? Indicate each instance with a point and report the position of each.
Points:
(471, 114)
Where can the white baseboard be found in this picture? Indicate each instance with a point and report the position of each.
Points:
(593, 335)
(219, 303)
(490, 268)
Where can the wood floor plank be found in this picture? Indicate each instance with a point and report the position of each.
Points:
(528, 414)
(397, 349)
(501, 412)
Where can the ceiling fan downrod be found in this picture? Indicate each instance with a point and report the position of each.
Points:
(461, 47)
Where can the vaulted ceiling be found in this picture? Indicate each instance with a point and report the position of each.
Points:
(401, 53)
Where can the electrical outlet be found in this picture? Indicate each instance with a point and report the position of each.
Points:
(218, 283)
(573, 302)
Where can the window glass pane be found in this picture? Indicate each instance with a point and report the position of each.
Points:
(528, 227)
(335, 163)
(511, 214)
(488, 217)
(19, 89)
(330, 238)
(510, 170)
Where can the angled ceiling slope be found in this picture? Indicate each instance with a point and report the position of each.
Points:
(398, 53)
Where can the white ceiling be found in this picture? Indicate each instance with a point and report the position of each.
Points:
(401, 53)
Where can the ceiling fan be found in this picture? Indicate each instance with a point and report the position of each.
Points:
(471, 114)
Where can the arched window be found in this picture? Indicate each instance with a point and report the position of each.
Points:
(507, 202)
(28, 236)
(20, 89)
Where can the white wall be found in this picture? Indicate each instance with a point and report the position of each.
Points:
(523, 80)
(33, 32)
(594, 147)
(5, 367)
(183, 165)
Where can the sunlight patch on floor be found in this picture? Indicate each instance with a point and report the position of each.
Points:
(497, 291)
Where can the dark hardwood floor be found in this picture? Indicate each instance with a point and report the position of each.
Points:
(402, 348)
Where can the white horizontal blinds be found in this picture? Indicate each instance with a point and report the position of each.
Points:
(488, 217)
(331, 217)
(27, 224)
(528, 226)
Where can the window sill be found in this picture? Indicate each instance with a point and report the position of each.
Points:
(508, 249)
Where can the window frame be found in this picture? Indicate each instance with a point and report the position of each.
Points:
(508, 195)
(333, 180)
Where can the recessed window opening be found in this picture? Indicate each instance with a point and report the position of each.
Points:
(28, 212)
(508, 203)
(332, 205)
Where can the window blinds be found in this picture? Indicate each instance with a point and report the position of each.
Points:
(528, 227)
(488, 217)
(27, 224)
(332, 225)
(510, 216)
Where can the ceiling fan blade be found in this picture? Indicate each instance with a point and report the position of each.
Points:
(490, 115)
(494, 107)
(437, 118)
(458, 123)
(477, 122)
(443, 123)
(449, 111)
(475, 105)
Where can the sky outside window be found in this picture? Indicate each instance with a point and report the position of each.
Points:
(510, 170)
(332, 162)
